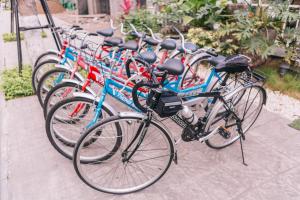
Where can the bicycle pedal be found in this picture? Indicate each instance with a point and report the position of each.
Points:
(225, 133)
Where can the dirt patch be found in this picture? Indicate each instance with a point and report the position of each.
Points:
(33, 7)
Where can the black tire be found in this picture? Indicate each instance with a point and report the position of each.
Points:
(44, 56)
(127, 66)
(34, 78)
(144, 63)
(45, 77)
(189, 69)
(77, 161)
(46, 107)
(212, 120)
(135, 95)
(51, 134)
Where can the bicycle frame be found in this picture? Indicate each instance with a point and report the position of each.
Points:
(109, 89)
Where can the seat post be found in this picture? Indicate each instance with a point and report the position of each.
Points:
(225, 79)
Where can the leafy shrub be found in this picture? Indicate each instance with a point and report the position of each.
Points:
(14, 85)
(10, 37)
(143, 17)
(212, 39)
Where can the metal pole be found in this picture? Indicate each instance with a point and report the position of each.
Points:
(12, 16)
(19, 47)
(51, 23)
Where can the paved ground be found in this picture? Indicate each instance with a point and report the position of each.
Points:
(37, 171)
(31, 169)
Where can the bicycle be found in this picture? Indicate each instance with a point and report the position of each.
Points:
(146, 149)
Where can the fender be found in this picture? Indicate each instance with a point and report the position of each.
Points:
(228, 96)
(174, 53)
(94, 98)
(139, 59)
(53, 51)
(132, 114)
(68, 63)
(234, 92)
(89, 89)
(154, 120)
(199, 56)
(69, 69)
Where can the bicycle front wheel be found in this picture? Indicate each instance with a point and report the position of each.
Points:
(116, 174)
(222, 121)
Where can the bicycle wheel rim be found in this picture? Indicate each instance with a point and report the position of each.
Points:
(222, 128)
(78, 157)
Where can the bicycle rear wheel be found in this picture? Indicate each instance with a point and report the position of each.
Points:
(246, 103)
(117, 175)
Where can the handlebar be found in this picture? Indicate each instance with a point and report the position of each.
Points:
(182, 40)
(116, 27)
(152, 34)
(138, 34)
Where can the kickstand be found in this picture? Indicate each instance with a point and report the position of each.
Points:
(242, 150)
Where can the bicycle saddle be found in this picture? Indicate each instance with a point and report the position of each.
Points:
(190, 46)
(150, 41)
(215, 60)
(106, 32)
(149, 56)
(233, 64)
(131, 45)
(172, 66)
(168, 44)
(112, 41)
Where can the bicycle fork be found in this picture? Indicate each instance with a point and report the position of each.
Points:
(139, 137)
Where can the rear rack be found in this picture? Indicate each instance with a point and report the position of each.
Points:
(259, 76)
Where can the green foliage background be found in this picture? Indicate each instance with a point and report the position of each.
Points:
(14, 85)
(10, 37)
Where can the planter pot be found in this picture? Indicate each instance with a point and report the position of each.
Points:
(237, 6)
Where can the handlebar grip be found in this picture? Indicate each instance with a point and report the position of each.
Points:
(78, 28)
(92, 34)
(75, 26)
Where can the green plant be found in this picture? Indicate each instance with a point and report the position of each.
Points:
(289, 84)
(288, 41)
(43, 34)
(143, 17)
(279, 10)
(9, 37)
(14, 85)
(213, 39)
(295, 124)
